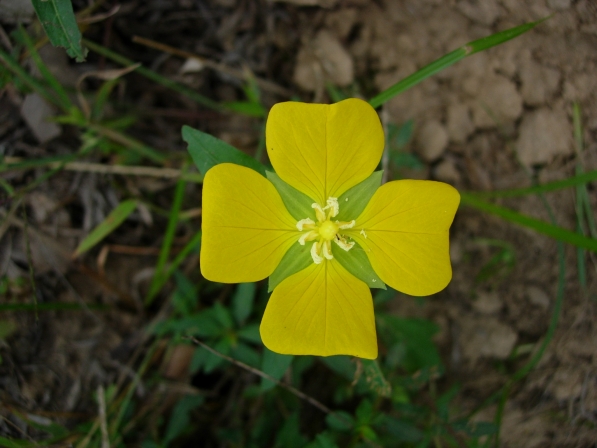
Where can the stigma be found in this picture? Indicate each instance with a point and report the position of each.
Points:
(324, 231)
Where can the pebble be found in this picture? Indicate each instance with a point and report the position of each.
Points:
(537, 297)
(498, 103)
(543, 135)
(459, 123)
(432, 140)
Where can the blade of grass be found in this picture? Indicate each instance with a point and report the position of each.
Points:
(539, 226)
(189, 93)
(29, 80)
(553, 323)
(168, 239)
(58, 20)
(182, 255)
(451, 58)
(107, 226)
(545, 188)
(65, 102)
(580, 203)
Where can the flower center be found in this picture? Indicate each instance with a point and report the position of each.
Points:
(328, 230)
(324, 231)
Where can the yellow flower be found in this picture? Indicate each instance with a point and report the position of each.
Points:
(323, 151)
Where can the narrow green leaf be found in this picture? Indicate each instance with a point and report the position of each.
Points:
(449, 59)
(275, 365)
(242, 302)
(354, 200)
(168, 240)
(376, 381)
(294, 260)
(340, 421)
(208, 151)
(298, 204)
(246, 108)
(181, 416)
(290, 435)
(60, 24)
(573, 181)
(112, 221)
(526, 221)
(357, 263)
(250, 333)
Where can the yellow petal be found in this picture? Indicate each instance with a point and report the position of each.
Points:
(404, 231)
(323, 150)
(322, 310)
(246, 228)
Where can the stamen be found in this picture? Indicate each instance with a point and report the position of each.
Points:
(305, 224)
(362, 232)
(341, 241)
(332, 204)
(319, 213)
(346, 225)
(327, 250)
(315, 249)
(309, 236)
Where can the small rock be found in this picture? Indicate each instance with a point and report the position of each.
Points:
(539, 83)
(537, 297)
(499, 102)
(559, 5)
(446, 171)
(544, 134)
(488, 303)
(455, 252)
(342, 21)
(459, 123)
(486, 338)
(36, 113)
(566, 384)
(324, 57)
(482, 11)
(432, 140)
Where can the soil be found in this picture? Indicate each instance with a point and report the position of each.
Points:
(500, 119)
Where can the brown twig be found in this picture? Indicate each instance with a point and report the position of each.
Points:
(239, 74)
(293, 390)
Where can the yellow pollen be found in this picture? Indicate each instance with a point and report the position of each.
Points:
(328, 230)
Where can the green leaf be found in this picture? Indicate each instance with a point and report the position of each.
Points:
(342, 365)
(290, 435)
(357, 263)
(449, 59)
(243, 353)
(112, 221)
(222, 315)
(250, 333)
(353, 201)
(375, 379)
(4, 442)
(323, 440)
(242, 302)
(60, 24)
(401, 430)
(537, 225)
(208, 151)
(181, 416)
(340, 421)
(212, 361)
(184, 298)
(274, 365)
(298, 204)
(294, 260)
(364, 412)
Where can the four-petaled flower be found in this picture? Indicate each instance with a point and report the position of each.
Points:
(323, 151)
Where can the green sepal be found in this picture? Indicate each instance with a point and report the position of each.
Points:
(294, 260)
(353, 201)
(357, 263)
(208, 151)
(298, 204)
